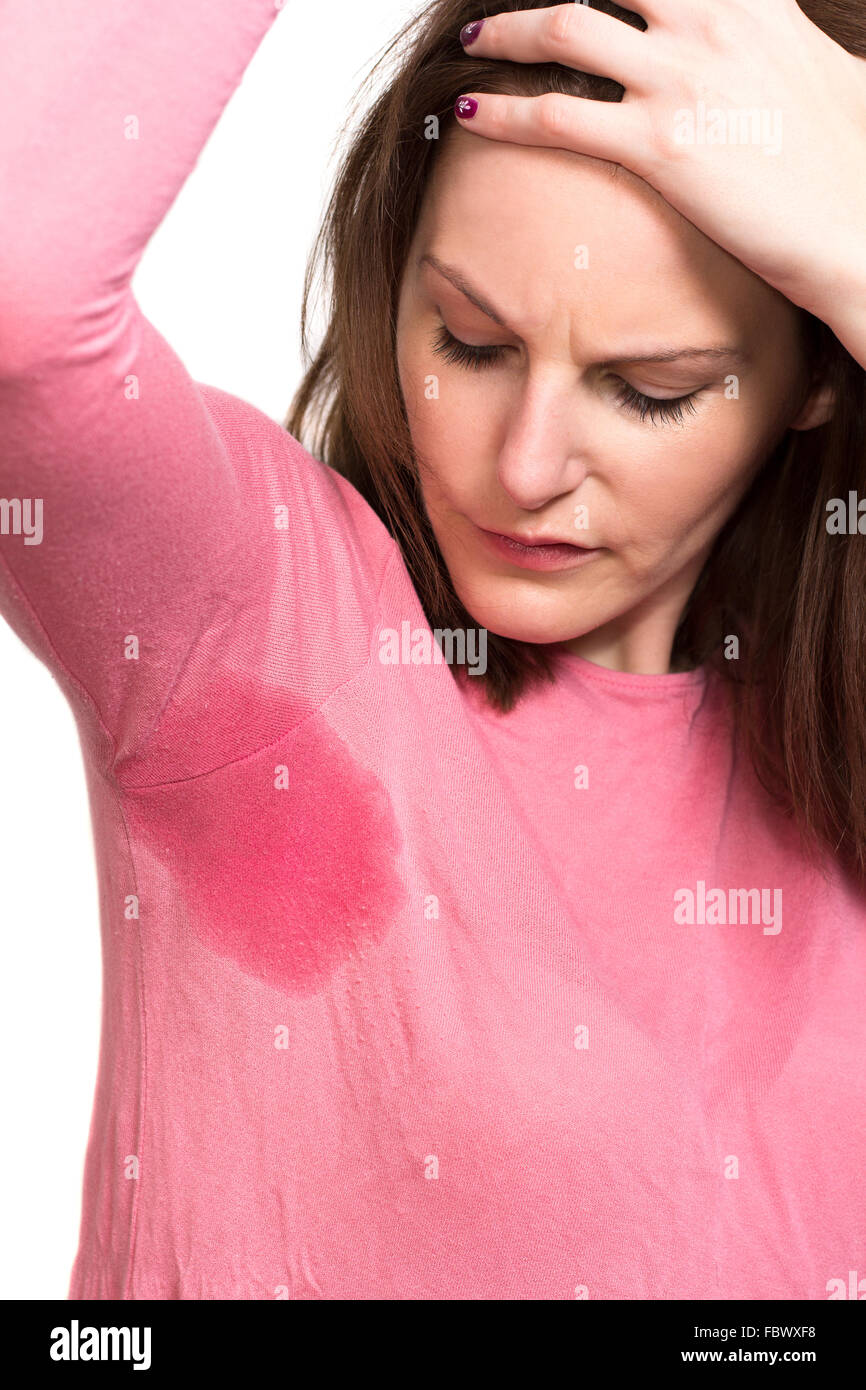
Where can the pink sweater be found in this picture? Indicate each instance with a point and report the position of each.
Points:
(402, 998)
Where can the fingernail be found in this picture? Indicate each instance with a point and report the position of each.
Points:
(465, 108)
(469, 33)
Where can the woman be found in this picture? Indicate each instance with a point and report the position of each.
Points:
(479, 817)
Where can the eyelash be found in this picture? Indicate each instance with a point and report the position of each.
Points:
(477, 358)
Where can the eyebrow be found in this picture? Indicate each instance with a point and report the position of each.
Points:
(708, 354)
(450, 272)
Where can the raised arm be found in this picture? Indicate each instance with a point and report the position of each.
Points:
(121, 510)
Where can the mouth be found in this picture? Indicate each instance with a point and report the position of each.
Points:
(538, 553)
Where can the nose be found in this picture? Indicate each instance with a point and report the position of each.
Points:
(541, 455)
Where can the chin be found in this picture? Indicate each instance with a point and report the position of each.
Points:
(504, 617)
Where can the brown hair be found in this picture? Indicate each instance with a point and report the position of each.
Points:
(793, 594)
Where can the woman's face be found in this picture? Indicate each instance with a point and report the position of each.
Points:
(586, 275)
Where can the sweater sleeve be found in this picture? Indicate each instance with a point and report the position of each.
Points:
(122, 509)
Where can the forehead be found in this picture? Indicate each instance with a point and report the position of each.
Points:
(546, 232)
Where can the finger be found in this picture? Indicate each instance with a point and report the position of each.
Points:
(573, 35)
(602, 129)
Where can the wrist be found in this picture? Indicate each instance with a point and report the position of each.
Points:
(837, 296)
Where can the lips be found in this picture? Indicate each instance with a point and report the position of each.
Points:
(531, 542)
(537, 552)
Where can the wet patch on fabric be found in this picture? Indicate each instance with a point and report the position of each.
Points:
(285, 861)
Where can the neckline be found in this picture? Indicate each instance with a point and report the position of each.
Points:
(632, 680)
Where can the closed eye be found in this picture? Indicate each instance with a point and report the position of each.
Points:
(656, 409)
(454, 350)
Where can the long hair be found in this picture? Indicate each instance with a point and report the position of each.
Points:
(794, 595)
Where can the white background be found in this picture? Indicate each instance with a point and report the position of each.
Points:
(222, 281)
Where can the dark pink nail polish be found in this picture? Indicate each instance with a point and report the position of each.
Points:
(469, 33)
(465, 108)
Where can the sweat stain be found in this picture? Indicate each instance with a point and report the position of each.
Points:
(287, 881)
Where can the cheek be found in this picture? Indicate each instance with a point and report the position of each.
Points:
(688, 486)
(453, 423)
